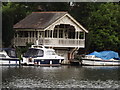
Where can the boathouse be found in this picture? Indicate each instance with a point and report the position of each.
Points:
(58, 30)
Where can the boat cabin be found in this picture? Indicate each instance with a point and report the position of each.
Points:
(8, 57)
(39, 55)
(58, 30)
(39, 51)
(7, 52)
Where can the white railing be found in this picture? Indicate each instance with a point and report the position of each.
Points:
(61, 42)
(21, 41)
(53, 42)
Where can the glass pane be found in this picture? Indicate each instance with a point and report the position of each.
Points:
(55, 34)
(40, 53)
(61, 34)
(2, 55)
(81, 36)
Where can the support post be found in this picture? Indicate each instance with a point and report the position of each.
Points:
(28, 37)
(52, 33)
(84, 35)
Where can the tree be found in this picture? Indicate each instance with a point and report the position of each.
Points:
(11, 13)
(104, 24)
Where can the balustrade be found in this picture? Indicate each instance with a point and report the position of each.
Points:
(55, 42)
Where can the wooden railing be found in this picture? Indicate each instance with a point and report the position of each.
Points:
(61, 42)
(53, 42)
(22, 41)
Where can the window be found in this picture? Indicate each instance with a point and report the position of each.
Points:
(81, 36)
(51, 53)
(21, 34)
(55, 34)
(2, 55)
(34, 52)
(61, 34)
(11, 53)
(49, 33)
(25, 34)
(40, 53)
(46, 33)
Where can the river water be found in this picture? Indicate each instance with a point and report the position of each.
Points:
(35, 77)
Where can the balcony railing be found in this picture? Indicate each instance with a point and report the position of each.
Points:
(21, 41)
(52, 42)
(61, 42)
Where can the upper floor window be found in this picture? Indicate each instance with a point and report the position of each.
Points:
(55, 34)
(81, 35)
(60, 33)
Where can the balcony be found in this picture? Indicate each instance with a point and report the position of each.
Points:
(52, 42)
(61, 42)
(21, 41)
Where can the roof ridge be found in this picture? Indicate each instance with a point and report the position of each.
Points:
(51, 12)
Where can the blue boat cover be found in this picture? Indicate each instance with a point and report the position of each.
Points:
(106, 55)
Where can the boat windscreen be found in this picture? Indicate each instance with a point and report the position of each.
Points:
(11, 53)
(33, 53)
(51, 53)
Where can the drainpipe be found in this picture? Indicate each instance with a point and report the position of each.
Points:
(73, 51)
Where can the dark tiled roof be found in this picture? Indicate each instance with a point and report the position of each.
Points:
(39, 20)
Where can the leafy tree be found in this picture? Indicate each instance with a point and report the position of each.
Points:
(11, 14)
(104, 25)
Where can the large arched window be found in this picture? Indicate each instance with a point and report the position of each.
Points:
(64, 31)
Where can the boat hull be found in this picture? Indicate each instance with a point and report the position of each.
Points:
(44, 62)
(9, 61)
(95, 62)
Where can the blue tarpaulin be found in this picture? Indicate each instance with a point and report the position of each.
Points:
(106, 55)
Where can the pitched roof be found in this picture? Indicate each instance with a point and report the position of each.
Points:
(45, 20)
(38, 20)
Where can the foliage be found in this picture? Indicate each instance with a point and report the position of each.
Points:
(11, 13)
(104, 24)
(21, 50)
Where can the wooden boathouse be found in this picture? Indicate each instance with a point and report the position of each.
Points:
(58, 30)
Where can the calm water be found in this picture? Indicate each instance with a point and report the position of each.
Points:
(61, 77)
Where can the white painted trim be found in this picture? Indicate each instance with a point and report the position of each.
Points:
(29, 29)
(69, 16)
(77, 23)
(54, 22)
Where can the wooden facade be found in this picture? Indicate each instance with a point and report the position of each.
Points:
(61, 32)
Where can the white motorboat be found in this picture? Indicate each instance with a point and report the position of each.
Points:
(39, 55)
(104, 58)
(8, 57)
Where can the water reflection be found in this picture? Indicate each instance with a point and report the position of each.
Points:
(61, 77)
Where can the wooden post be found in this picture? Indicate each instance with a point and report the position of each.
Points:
(34, 36)
(28, 36)
(63, 33)
(52, 33)
(38, 35)
(17, 34)
(84, 35)
(78, 34)
(58, 32)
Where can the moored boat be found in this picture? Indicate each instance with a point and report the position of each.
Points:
(8, 57)
(39, 55)
(104, 58)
